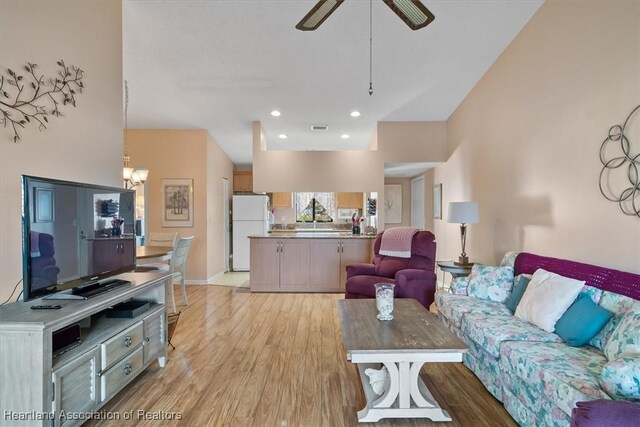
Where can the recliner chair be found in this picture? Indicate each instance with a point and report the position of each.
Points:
(414, 277)
(44, 271)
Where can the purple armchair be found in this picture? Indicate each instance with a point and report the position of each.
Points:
(44, 271)
(414, 277)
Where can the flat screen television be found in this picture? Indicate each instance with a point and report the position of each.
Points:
(74, 233)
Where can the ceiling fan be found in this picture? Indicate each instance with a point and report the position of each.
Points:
(412, 12)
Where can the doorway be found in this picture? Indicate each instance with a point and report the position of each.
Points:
(417, 203)
(226, 229)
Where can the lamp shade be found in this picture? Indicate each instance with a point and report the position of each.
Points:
(463, 213)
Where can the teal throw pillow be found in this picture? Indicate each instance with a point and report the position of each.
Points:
(582, 321)
(516, 293)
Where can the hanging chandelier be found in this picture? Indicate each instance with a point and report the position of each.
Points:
(132, 176)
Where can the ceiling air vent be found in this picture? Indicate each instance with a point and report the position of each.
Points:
(319, 128)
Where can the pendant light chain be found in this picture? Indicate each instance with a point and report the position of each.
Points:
(126, 123)
(370, 47)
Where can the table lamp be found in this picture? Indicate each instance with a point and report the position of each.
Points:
(463, 213)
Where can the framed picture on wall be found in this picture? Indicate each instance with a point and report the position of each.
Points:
(437, 201)
(177, 202)
(393, 204)
(44, 204)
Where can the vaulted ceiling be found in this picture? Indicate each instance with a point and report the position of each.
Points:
(220, 65)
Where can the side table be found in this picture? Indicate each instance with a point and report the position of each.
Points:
(456, 270)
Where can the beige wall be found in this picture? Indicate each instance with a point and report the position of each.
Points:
(86, 144)
(186, 154)
(525, 142)
(219, 166)
(347, 170)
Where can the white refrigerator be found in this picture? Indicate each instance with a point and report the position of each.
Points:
(250, 218)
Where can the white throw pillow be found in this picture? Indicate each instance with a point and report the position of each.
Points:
(546, 299)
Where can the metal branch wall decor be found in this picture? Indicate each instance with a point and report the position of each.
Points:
(618, 143)
(30, 97)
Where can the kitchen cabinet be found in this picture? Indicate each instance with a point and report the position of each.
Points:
(277, 265)
(111, 254)
(330, 259)
(350, 200)
(243, 182)
(282, 200)
(304, 264)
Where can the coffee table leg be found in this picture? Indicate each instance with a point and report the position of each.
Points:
(406, 397)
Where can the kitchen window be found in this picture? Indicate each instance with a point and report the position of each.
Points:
(318, 207)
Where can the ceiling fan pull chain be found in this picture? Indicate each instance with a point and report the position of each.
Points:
(370, 47)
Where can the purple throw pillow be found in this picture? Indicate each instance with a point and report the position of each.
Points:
(605, 413)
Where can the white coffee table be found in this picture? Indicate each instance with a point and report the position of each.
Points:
(414, 337)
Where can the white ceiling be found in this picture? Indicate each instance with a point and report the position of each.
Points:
(407, 170)
(219, 65)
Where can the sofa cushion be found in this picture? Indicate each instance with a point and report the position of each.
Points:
(601, 413)
(582, 321)
(625, 339)
(547, 297)
(490, 331)
(562, 374)
(617, 304)
(509, 259)
(459, 285)
(453, 307)
(520, 285)
(620, 378)
(490, 283)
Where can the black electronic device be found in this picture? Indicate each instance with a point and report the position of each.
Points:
(96, 288)
(128, 309)
(46, 307)
(65, 339)
(67, 240)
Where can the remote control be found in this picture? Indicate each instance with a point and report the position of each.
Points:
(45, 307)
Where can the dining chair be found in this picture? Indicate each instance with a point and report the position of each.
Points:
(178, 263)
(162, 239)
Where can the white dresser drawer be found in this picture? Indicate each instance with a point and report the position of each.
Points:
(118, 346)
(119, 375)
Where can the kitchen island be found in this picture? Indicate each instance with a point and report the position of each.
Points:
(309, 261)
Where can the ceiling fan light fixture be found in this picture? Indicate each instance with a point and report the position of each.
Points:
(318, 14)
(412, 12)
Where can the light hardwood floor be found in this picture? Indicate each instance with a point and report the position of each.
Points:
(245, 359)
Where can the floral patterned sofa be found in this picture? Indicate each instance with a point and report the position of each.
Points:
(538, 377)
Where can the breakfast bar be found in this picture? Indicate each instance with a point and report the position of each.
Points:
(305, 261)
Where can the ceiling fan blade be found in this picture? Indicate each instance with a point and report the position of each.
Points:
(412, 12)
(318, 14)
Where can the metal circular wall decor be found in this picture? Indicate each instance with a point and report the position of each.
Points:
(628, 195)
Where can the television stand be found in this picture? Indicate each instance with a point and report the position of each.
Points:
(112, 352)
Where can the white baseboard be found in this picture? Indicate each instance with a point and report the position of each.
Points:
(208, 281)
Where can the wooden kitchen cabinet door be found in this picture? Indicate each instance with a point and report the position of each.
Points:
(350, 200)
(294, 264)
(281, 200)
(243, 182)
(265, 265)
(324, 269)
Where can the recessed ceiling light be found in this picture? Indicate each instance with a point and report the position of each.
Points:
(355, 114)
(275, 113)
(282, 136)
(344, 136)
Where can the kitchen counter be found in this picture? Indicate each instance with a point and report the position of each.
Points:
(313, 235)
(305, 262)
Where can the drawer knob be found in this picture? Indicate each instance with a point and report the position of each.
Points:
(127, 369)
(127, 341)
